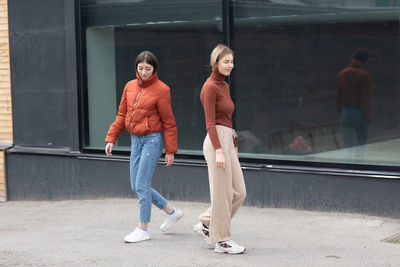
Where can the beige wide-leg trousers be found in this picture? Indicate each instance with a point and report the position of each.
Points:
(227, 187)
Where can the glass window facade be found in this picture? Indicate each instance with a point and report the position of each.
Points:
(288, 56)
(180, 33)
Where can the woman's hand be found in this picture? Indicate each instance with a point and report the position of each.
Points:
(220, 158)
(169, 159)
(109, 148)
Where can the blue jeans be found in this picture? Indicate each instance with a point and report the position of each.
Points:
(354, 127)
(145, 152)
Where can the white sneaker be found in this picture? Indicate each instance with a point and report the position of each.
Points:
(170, 220)
(229, 246)
(137, 236)
(203, 232)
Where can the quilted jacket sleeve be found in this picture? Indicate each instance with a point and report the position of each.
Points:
(168, 122)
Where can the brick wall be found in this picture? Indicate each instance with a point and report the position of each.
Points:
(6, 135)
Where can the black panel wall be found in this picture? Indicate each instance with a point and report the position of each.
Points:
(61, 177)
(43, 73)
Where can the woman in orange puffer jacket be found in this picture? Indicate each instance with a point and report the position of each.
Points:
(144, 111)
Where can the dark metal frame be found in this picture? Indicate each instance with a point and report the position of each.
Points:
(82, 82)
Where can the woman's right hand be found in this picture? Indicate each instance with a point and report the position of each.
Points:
(109, 148)
(220, 158)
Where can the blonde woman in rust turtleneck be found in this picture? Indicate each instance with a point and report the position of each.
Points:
(227, 187)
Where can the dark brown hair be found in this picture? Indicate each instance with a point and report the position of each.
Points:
(361, 54)
(147, 57)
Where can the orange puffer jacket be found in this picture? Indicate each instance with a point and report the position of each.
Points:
(145, 108)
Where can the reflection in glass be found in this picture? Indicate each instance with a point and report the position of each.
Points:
(288, 56)
(353, 99)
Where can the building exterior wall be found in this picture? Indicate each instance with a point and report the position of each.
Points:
(6, 133)
(57, 77)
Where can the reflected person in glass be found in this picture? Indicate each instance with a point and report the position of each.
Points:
(354, 97)
(144, 111)
(227, 187)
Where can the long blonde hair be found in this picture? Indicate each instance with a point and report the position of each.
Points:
(219, 52)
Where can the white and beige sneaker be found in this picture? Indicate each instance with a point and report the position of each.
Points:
(203, 232)
(229, 247)
(136, 236)
(170, 220)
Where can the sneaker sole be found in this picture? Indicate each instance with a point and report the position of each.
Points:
(229, 252)
(137, 241)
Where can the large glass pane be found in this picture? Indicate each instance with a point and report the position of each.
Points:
(288, 57)
(180, 33)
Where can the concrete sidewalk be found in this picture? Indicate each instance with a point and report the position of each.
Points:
(90, 233)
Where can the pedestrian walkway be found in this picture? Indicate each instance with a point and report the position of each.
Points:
(90, 233)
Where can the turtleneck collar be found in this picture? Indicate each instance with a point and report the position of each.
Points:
(217, 76)
(357, 64)
(153, 78)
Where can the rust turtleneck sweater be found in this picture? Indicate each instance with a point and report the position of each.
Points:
(217, 104)
(354, 89)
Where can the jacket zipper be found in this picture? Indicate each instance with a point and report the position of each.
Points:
(134, 106)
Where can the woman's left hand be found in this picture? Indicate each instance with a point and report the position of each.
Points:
(169, 159)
